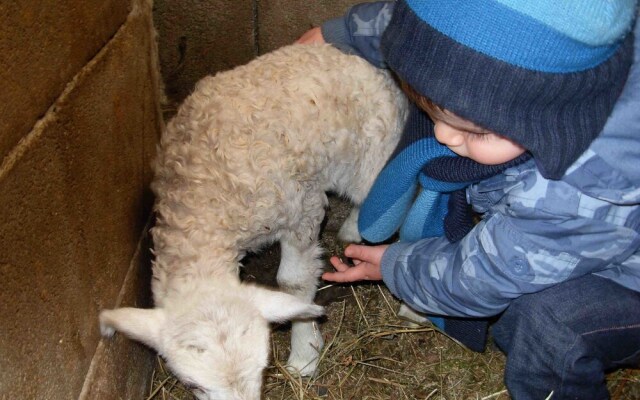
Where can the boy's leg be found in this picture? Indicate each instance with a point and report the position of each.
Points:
(563, 339)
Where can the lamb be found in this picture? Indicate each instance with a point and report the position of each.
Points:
(247, 161)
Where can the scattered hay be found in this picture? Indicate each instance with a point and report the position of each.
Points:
(370, 354)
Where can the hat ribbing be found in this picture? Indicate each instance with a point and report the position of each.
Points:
(525, 73)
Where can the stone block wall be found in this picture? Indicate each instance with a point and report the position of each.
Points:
(80, 120)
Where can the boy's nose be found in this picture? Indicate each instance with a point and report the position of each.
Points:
(448, 135)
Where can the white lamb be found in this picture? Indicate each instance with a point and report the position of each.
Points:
(246, 162)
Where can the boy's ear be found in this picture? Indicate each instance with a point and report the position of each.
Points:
(143, 325)
(276, 306)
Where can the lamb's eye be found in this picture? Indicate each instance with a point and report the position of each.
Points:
(196, 349)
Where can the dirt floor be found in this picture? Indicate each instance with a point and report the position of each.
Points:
(372, 354)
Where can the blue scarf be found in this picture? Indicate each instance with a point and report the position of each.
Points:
(421, 193)
(392, 203)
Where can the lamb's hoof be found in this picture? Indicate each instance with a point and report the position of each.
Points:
(348, 233)
(302, 367)
(106, 330)
(306, 345)
(411, 316)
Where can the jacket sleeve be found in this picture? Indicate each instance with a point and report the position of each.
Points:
(360, 29)
(502, 258)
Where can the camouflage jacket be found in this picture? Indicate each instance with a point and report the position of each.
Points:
(535, 232)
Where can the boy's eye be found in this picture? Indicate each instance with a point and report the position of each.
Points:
(479, 135)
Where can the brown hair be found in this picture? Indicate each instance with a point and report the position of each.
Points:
(421, 101)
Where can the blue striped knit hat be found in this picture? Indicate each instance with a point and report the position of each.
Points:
(543, 73)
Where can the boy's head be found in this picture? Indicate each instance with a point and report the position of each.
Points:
(462, 136)
(544, 74)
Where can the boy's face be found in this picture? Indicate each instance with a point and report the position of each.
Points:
(463, 137)
(469, 140)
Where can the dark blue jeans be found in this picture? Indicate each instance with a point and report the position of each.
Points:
(565, 338)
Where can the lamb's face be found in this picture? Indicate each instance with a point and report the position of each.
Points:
(217, 342)
(218, 350)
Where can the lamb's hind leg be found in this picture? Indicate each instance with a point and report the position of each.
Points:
(298, 273)
(348, 232)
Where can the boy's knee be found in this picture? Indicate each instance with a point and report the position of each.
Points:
(531, 311)
(531, 322)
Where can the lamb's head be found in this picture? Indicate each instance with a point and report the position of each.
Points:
(218, 345)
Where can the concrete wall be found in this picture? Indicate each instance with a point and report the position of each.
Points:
(80, 119)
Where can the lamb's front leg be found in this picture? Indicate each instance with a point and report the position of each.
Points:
(300, 267)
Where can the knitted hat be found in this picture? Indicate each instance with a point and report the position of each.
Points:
(543, 73)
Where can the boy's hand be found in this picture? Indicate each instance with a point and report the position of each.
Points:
(366, 260)
(313, 35)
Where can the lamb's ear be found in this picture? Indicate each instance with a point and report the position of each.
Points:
(278, 306)
(143, 325)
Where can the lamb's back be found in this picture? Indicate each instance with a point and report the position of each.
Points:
(253, 139)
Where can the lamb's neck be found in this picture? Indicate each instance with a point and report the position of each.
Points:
(177, 275)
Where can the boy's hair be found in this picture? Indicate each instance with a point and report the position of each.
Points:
(545, 74)
(422, 101)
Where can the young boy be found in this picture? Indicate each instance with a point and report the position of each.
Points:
(513, 104)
